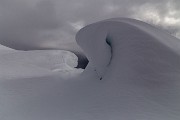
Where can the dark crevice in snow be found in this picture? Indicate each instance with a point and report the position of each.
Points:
(82, 60)
(108, 41)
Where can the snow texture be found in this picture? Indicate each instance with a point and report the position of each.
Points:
(140, 69)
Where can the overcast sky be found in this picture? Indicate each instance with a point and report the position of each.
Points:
(44, 24)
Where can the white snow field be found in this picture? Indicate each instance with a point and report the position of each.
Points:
(140, 69)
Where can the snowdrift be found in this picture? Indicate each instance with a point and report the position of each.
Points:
(131, 48)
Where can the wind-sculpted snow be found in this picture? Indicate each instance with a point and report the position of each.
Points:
(140, 69)
(126, 46)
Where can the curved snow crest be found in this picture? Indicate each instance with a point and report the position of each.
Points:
(127, 47)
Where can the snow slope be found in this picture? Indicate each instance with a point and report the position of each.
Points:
(4, 50)
(140, 69)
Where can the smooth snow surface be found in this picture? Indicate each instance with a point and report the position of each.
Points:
(140, 69)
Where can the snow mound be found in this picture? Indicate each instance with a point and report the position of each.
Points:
(127, 47)
(48, 59)
(25, 64)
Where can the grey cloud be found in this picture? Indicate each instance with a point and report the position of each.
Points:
(165, 15)
(21, 25)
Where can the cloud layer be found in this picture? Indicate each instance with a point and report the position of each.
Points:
(52, 24)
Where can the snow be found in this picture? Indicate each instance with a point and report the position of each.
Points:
(5, 50)
(142, 41)
(94, 44)
(140, 69)
(44, 58)
(25, 64)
